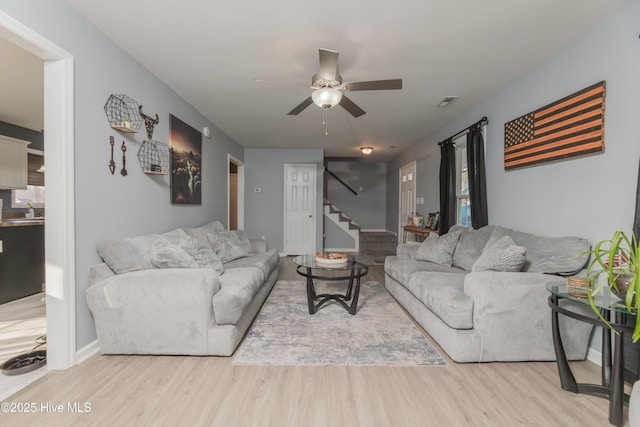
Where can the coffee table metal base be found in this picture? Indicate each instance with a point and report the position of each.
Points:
(322, 299)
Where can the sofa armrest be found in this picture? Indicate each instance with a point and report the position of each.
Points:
(259, 245)
(154, 311)
(511, 312)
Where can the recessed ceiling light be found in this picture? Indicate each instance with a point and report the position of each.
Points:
(444, 102)
(391, 147)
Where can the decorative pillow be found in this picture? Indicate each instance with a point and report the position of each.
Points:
(503, 255)
(227, 245)
(165, 254)
(203, 255)
(439, 249)
(121, 256)
(246, 243)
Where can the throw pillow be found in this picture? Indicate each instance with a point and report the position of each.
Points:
(165, 254)
(203, 255)
(439, 249)
(121, 256)
(503, 255)
(227, 245)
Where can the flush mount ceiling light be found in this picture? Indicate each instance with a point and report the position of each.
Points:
(366, 150)
(326, 97)
(444, 102)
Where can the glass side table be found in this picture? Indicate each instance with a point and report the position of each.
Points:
(615, 312)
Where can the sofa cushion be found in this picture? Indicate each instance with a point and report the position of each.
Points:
(165, 254)
(121, 256)
(470, 245)
(401, 269)
(443, 294)
(553, 255)
(203, 255)
(265, 261)
(238, 286)
(502, 255)
(229, 245)
(439, 249)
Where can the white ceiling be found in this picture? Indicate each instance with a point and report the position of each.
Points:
(209, 52)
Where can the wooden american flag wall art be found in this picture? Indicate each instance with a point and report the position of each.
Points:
(572, 126)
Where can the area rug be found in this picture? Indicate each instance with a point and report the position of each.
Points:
(381, 333)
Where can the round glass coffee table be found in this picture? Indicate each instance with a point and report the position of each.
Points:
(352, 270)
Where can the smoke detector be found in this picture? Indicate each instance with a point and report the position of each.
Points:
(444, 102)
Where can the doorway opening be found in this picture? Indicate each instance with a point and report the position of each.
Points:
(235, 185)
(59, 197)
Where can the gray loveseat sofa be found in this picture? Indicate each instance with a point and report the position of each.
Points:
(478, 313)
(191, 291)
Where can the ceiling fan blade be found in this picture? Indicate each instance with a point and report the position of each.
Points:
(281, 82)
(304, 104)
(351, 107)
(373, 85)
(328, 64)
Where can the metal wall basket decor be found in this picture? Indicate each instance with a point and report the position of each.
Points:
(154, 157)
(122, 113)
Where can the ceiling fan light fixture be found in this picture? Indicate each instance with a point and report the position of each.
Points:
(326, 97)
(366, 150)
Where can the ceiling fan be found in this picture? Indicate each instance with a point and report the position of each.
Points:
(329, 89)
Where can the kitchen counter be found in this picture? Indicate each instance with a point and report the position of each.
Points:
(21, 222)
(22, 258)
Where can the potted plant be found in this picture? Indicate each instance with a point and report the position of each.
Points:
(616, 264)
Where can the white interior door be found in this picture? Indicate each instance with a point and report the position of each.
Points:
(407, 194)
(299, 209)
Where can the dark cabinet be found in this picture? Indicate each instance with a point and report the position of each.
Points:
(21, 262)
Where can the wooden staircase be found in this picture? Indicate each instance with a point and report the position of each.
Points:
(338, 217)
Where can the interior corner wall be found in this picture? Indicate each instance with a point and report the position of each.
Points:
(264, 210)
(590, 196)
(111, 206)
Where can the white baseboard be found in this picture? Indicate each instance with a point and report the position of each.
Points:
(378, 230)
(594, 356)
(87, 351)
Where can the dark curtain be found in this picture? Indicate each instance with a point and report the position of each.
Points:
(636, 222)
(448, 201)
(477, 177)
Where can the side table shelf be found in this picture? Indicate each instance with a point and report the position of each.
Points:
(612, 384)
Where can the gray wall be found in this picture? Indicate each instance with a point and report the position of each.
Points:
(264, 211)
(588, 196)
(368, 208)
(112, 206)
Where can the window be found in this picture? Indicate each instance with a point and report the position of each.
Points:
(463, 207)
(34, 194)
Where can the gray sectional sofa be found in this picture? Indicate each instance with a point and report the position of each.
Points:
(190, 291)
(481, 293)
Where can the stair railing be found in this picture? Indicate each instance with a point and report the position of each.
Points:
(341, 181)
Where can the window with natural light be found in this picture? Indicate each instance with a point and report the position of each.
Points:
(34, 194)
(462, 184)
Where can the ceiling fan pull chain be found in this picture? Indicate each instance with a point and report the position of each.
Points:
(325, 120)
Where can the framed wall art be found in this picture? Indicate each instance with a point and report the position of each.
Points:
(186, 163)
(572, 126)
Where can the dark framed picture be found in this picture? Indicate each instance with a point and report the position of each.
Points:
(431, 220)
(186, 163)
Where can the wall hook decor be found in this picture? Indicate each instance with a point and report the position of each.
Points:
(149, 122)
(123, 171)
(112, 164)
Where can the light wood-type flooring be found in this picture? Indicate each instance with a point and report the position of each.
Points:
(210, 391)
